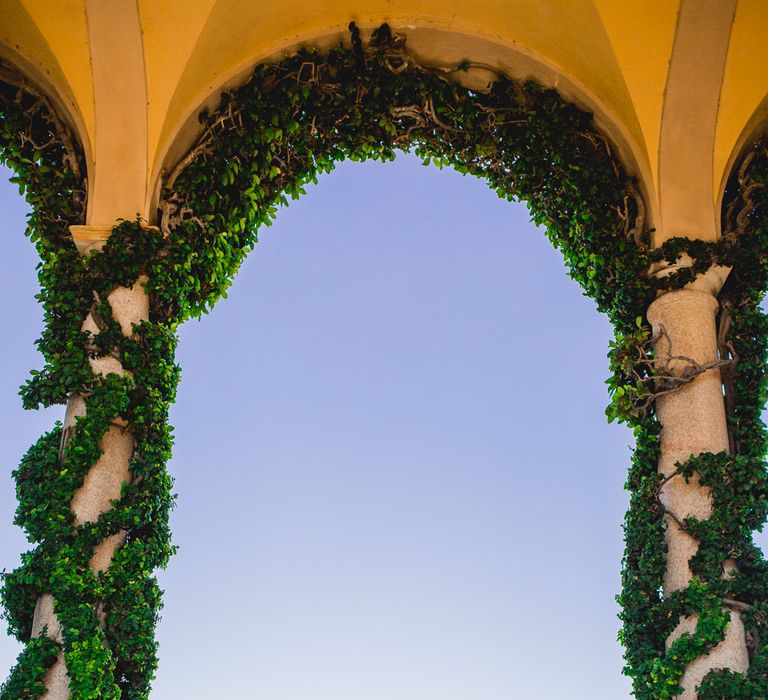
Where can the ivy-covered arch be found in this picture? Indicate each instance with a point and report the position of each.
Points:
(268, 139)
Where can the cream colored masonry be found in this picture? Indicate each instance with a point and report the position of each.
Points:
(104, 481)
(692, 422)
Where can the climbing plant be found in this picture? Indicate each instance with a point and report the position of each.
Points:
(737, 479)
(291, 122)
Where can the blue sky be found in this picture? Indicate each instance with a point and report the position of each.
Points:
(395, 478)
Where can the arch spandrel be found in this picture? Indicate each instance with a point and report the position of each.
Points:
(48, 43)
(187, 58)
(743, 112)
(64, 27)
(167, 53)
(643, 57)
(441, 48)
(568, 38)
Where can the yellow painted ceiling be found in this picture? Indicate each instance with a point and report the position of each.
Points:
(743, 96)
(643, 59)
(53, 40)
(612, 56)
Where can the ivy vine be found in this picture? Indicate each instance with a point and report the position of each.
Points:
(291, 122)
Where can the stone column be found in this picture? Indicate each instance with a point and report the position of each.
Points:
(105, 479)
(692, 422)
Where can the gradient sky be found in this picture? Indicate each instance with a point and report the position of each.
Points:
(395, 478)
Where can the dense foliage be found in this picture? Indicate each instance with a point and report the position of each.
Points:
(738, 481)
(108, 619)
(268, 139)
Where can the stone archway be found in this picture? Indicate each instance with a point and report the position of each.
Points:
(88, 587)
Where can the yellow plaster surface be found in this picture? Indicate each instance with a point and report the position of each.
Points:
(643, 57)
(23, 42)
(118, 183)
(745, 85)
(567, 34)
(611, 54)
(63, 26)
(167, 52)
(689, 117)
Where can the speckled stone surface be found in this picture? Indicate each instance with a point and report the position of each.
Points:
(692, 421)
(731, 653)
(45, 617)
(105, 479)
(130, 305)
(56, 679)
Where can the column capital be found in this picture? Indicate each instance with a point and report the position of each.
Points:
(93, 238)
(89, 238)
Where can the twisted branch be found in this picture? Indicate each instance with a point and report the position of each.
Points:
(657, 378)
(739, 209)
(60, 133)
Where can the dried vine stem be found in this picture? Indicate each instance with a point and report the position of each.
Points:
(634, 227)
(658, 378)
(737, 217)
(725, 350)
(173, 210)
(390, 49)
(61, 135)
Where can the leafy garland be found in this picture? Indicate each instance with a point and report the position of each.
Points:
(291, 122)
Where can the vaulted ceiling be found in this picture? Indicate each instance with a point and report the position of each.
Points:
(679, 85)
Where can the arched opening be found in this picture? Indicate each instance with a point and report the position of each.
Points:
(458, 513)
(387, 478)
(548, 169)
